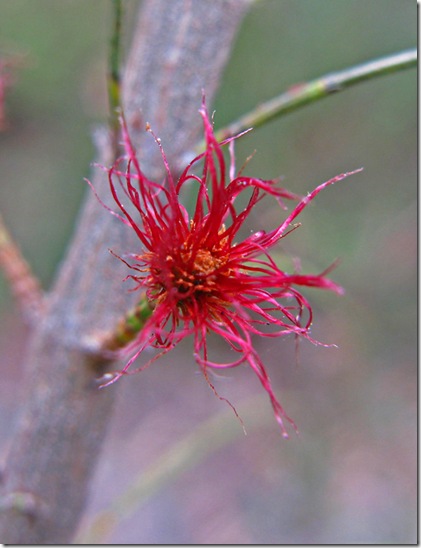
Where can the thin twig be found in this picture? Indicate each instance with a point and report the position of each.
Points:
(114, 78)
(24, 284)
(303, 94)
(128, 326)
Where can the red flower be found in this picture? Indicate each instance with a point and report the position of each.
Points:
(196, 275)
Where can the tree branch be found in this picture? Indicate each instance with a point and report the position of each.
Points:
(23, 283)
(303, 94)
(179, 48)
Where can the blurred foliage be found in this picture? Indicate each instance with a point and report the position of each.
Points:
(351, 476)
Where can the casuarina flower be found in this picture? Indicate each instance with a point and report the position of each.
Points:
(196, 276)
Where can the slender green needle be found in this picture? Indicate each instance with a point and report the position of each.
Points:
(303, 94)
(114, 66)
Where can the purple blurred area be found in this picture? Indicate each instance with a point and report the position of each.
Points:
(350, 476)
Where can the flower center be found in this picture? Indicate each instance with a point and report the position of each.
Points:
(197, 277)
(206, 263)
(189, 273)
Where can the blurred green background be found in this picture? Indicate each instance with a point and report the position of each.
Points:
(350, 477)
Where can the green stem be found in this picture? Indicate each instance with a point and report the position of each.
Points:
(114, 84)
(129, 326)
(303, 94)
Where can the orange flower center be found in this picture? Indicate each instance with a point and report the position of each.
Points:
(190, 273)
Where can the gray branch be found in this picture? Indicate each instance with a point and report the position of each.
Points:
(179, 48)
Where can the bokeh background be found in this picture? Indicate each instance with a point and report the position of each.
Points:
(176, 466)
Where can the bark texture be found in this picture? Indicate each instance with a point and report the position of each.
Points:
(179, 48)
